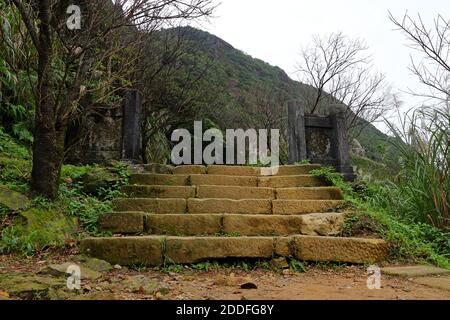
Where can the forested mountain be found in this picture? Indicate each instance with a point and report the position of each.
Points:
(245, 87)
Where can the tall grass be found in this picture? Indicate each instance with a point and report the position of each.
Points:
(421, 191)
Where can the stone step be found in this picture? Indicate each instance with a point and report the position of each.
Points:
(261, 206)
(190, 169)
(325, 224)
(229, 206)
(304, 206)
(224, 170)
(290, 181)
(159, 179)
(246, 206)
(162, 206)
(235, 193)
(312, 193)
(294, 170)
(137, 191)
(156, 250)
(223, 180)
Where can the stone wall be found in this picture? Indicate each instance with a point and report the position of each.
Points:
(106, 133)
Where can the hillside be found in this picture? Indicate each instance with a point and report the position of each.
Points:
(238, 76)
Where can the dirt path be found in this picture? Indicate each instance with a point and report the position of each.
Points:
(316, 283)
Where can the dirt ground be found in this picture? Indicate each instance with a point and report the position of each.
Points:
(341, 283)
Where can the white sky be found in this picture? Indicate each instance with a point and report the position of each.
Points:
(275, 30)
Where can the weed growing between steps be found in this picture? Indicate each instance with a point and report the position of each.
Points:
(42, 224)
(269, 265)
(409, 240)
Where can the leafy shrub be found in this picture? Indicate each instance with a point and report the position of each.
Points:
(331, 176)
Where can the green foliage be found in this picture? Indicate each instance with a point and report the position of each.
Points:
(421, 191)
(170, 267)
(27, 236)
(202, 266)
(408, 241)
(15, 173)
(370, 170)
(35, 230)
(296, 266)
(17, 82)
(331, 176)
(381, 207)
(10, 148)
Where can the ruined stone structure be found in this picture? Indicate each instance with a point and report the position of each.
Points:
(107, 133)
(319, 139)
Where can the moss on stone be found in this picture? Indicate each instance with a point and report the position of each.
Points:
(36, 229)
(12, 200)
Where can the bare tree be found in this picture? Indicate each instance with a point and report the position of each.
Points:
(339, 70)
(433, 43)
(98, 57)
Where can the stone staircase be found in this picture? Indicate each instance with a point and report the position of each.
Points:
(188, 214)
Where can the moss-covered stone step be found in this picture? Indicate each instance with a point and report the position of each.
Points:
(290, 181)
(160, 191)
(154, 250)
(209, 224)
(312, 193)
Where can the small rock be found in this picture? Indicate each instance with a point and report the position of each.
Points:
(249, 285)
(61, 270)
(29, 287)
(279, 263)
(13, 200)
(144, 285)
(117, 267)
(94, 263)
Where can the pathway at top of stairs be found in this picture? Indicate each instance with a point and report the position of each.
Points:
(188, 214)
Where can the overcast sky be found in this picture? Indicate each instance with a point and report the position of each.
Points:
(275, 31)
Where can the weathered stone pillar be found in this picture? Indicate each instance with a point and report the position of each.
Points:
(342, 154)
(131, 133)
(320, 139)
(296, 132)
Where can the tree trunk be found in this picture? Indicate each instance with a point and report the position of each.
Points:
(48, 147)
